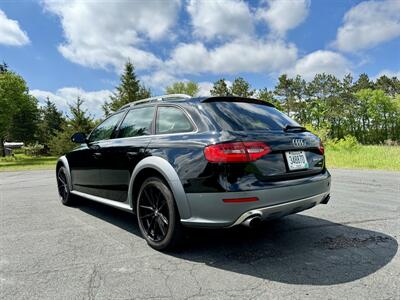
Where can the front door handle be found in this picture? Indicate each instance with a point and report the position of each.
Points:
(97, 155)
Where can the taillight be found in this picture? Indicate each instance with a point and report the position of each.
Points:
(321, 148)
(236, 152)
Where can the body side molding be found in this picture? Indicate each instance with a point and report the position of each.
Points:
(164, 167)
(112, 203)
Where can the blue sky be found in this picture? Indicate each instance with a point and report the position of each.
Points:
(69, 48)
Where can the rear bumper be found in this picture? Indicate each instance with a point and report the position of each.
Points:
(209, 209)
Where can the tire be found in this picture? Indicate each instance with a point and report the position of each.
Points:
(158, 216)
(63, 188)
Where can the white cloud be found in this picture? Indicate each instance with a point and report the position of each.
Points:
(105, 34)
(220, 18)
(10, 32)
(283, 15)
(388, 73)
(233, 57)
(320, 61)
(369, 24)
(93, 100)
(204, 88)
(159, 80)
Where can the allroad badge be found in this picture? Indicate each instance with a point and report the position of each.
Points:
(299, 142)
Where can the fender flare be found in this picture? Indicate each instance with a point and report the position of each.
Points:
(64, 161)
(164, 168)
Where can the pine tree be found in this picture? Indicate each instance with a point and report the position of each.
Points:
(3, 68)
(51, 121)
(129, 90)
(78, 121)
(241, 88)
(284, 92)
(220, 88)
(268, 96)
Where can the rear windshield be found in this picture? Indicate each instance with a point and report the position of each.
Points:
(240, 116)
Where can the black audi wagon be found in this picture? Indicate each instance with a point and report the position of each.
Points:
(214, 162)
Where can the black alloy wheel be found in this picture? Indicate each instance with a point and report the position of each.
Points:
(63, 187)
(157, 215)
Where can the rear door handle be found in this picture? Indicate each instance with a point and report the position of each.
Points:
(132, 154)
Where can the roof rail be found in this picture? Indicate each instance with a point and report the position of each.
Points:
(156, 98)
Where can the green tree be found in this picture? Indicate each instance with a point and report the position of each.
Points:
(51, 121)
(298, 99)
(268, 96)
(189, 88)
(377, 114)
(241, 88)
(283, 90)
(391, 86)
(18, 109)
(129, 90)
(78, 121)
(363, 82)
(220, 88)
(3, 68)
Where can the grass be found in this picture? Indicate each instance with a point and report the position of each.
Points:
(21, 162)
(362, 157)
(365, 157)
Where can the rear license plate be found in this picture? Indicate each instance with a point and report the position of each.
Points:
(296, 160)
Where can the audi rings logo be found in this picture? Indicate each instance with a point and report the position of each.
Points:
(299, 142)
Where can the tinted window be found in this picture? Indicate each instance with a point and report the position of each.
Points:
(172, 120)
(137, 122)
(242, 116)
(105, 129)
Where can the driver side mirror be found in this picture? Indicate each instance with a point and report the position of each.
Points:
(79, 138)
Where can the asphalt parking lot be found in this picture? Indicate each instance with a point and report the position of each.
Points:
(347, 249)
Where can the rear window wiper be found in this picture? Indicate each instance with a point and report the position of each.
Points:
(294, 128)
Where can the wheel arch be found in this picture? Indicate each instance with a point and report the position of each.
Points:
(63, 162)
(157, 166)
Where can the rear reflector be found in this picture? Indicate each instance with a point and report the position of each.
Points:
(236, 152)
(240, 200)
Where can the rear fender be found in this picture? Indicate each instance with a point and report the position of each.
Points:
(168, 172)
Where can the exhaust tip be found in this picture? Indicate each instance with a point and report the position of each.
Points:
(326, 199)
(252, 222)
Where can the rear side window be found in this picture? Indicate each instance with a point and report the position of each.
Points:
(172, 120)
(240, 116)
(137, 122)
(105, 129)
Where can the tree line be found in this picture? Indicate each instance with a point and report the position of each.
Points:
(366, 109)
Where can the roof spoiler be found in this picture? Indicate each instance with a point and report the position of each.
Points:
(236, 99)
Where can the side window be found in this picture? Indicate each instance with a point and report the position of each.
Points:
(137, 122)
(105, 129)
(172, 120)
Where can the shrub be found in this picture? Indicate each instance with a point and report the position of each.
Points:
(348, 143)
(322, 132)
(36, 150)
(61, 143)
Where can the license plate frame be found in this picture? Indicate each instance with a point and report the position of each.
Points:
(296, 160)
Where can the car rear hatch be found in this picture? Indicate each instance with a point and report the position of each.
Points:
(292, 155)
(293, 152)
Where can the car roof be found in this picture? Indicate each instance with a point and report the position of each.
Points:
(182, 98)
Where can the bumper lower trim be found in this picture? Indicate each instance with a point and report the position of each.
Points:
(282, 209)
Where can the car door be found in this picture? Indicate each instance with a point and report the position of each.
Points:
(122, 153)
(87, 161)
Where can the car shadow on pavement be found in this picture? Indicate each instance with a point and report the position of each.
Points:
(297, 249)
